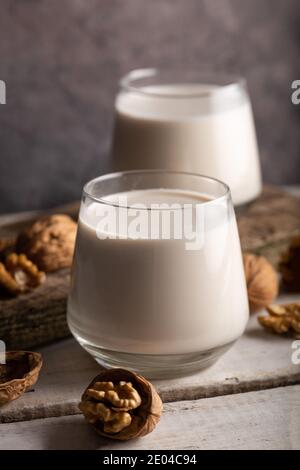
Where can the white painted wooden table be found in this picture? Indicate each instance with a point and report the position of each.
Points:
(250, 399)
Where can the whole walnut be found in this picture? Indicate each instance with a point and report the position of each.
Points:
(49, 242)
(262, 281)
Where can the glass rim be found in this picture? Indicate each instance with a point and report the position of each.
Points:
(125, 83)
(215, 200)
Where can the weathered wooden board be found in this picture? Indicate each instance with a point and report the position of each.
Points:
(268, 419)
(267, 224)
(38, 317)
(259, 360)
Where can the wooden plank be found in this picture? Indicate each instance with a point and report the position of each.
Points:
(259, 360)
(268, 223)
(36, 317)
(264, 420)
(39, 316)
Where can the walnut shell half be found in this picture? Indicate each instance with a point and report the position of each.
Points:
(117, 414)
(20, 372)
(49, 242)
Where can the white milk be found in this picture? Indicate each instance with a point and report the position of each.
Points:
(154, 296)
(213, 135)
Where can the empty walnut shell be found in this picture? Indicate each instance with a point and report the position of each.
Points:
(262, 281)
(20, 372)
(144, 417)
(49, 242)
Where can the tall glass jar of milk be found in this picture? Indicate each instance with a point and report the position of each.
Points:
(187, 122)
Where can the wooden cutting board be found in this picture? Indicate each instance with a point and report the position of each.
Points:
(39, 317)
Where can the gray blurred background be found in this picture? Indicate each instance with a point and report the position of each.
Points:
(61, 60)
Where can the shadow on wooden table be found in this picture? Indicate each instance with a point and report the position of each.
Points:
(259, 333)
(73, 433)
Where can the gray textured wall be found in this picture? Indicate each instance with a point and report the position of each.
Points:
(61, 60)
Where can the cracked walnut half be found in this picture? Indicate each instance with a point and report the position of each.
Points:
(121, 405)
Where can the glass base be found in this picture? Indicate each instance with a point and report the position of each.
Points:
(156, 366)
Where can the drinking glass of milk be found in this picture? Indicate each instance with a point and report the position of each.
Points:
(158, 282)
(180, 121)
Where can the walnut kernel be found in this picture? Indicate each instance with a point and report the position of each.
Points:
(24, 271)
(7, 246)
(282, 318)
(19, 274)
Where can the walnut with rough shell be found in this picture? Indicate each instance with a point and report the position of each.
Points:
(49, 242)
(121, 405)
(282, 318)
(18, 274)
(262, 281)
(20, 373)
